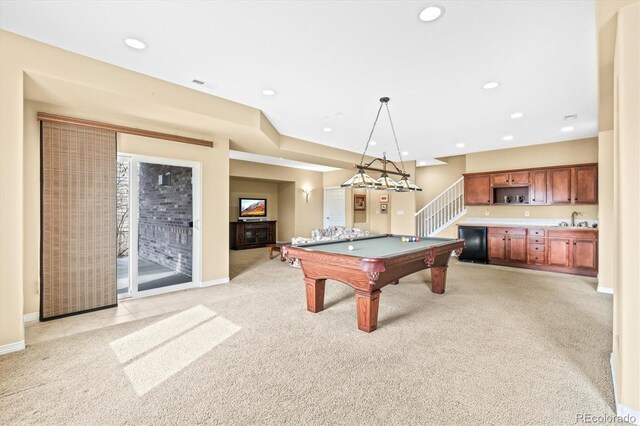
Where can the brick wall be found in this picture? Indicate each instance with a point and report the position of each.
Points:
(165, 234)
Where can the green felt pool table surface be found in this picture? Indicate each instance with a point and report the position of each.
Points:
(375, 246)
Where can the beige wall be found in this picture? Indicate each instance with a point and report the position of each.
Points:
(308, 215)
(253, 188)
(626, 202)
(214, 167)
(435, 179)
(606, 23)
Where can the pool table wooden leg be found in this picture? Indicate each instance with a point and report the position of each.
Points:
(438, 279)
(367, 307)
(315, 294)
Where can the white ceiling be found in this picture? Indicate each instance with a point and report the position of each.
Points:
(331, 61)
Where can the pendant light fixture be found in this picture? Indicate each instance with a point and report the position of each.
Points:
(363, 180)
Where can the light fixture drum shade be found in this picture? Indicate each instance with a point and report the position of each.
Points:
(385, 182)
(405, 185)
(360, 180)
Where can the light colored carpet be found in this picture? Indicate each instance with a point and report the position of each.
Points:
(502, 346)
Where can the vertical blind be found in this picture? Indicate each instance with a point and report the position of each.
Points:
(78, 213)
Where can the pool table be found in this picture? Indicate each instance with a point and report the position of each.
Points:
(373, 263)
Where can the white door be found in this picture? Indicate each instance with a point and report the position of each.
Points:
(160, 241)
(334, 207)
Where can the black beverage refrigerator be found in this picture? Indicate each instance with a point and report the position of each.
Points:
(475, 238)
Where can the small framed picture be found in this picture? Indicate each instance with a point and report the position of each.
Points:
(359, 202)
(384, 207)
(384, 198)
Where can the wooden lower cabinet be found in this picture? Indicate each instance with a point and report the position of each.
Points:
(559, 252)
(517, 248)
(573, 251)
(585, 254)
(507, 244)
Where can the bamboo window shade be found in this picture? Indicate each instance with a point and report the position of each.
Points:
(78, 214)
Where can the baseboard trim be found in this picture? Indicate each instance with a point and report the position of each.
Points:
(214, 282)
(628, 414)
(606, 290)
(33, 316)
(12, 347)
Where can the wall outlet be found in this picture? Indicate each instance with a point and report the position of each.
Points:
(526, 213)
(486, 212)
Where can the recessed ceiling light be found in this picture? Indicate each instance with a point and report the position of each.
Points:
(570, 117)
(135, 43)
(405, 153)
(567, 129)
(326, 129)
(507, 138)
(373, 143)
(269, 92)
(431, 13)
(517, 115)
(490, 85)
(199, 82)
(460, 145)
(422, 163)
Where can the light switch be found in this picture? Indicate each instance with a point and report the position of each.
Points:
(486, 212)
(526, 213)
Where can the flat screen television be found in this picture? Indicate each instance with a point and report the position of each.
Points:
(253, 207)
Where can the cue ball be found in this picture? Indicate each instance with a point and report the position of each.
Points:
(350, 248)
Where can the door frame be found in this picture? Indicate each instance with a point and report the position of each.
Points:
(196, 185)
(324, 206)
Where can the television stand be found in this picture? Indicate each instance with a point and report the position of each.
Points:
(245, 235)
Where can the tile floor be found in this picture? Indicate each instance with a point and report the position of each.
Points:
(129, 310)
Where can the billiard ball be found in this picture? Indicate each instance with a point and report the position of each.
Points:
(350, 248)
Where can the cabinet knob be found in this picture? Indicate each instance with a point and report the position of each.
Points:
(574, 243)
(503, 238)
(569, 199)
(533, 199)
(575, 199)
(567, 242)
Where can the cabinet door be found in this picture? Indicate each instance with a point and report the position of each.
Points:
(477, 190)
(519, 178)
(517, 248)
(586, 185)
(539, 187)
(560, 186)
(585, 254)
(500, 179)
(558, 251)
(497, 247)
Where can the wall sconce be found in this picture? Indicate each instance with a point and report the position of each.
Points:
(306, 191)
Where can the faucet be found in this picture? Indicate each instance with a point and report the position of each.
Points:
(573, 217)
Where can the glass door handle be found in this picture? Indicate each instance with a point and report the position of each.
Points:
(196, 224)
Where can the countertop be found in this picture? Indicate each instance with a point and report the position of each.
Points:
(530, 226)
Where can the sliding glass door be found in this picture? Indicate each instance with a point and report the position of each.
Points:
(158, 246)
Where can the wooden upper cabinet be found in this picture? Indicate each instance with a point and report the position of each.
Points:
(500, 179)
(573, 184)
(560, 186)
(586, 185)
(519, 178)
(538, 189)
(508, 179)
(477, 190)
